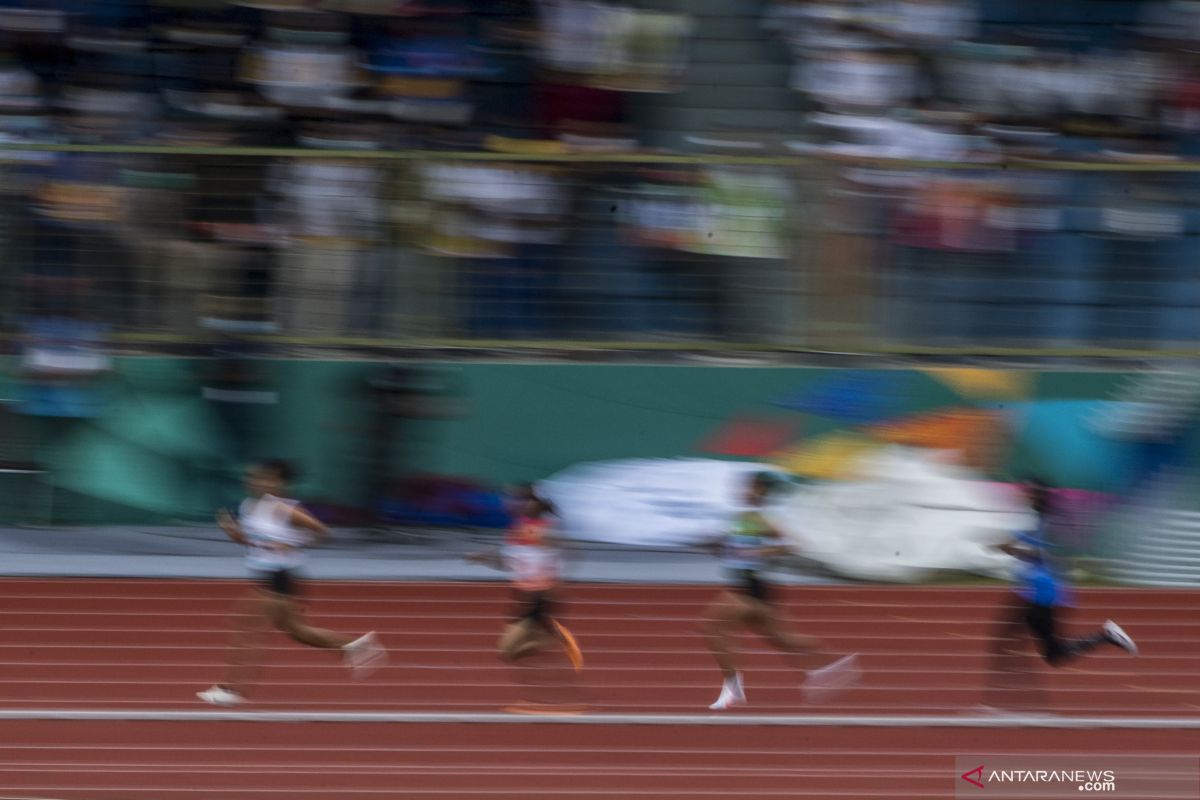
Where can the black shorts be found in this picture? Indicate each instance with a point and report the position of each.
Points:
(748, 582)
(536, 607)
(281, 582)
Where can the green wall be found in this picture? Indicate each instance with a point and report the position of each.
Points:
(156, 448)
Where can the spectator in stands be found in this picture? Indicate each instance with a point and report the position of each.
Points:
(664, 217)
(504, 221)
(1179, 100)
(948, 245)
(1176, 21)
(332, 212)
(61, 366)
(303, 60)
(75, 249)
(61, 355)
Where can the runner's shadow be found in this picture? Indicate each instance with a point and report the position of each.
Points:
(549, 680)
(1015, 681)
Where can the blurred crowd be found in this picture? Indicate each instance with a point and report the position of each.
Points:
(348, 239)
(944, 78)
(314, 246)
(397, 73)
(975, 79)
(1014, 249)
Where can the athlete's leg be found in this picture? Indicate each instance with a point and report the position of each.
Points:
(1007, 633)
(521, 639)
(1043, 622)
(1012, 682)
(569, 644)
(824, 674)
(729, 612)
(804, 652)
(248, 651)
(286, 616)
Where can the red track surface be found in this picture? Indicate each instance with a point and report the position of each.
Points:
(149, 645)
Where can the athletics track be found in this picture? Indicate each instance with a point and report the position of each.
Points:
(97, 683)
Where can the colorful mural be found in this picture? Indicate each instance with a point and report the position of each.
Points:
(159, 449)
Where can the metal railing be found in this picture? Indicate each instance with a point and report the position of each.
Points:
(554, 250)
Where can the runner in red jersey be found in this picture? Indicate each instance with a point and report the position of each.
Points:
(533, 555)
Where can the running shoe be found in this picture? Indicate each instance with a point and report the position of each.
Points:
(733, 693)
(220, 696)
(1116, 634)
(574, 654)
(822, 684)
(365, 655)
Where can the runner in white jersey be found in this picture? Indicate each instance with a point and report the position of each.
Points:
(275, 530)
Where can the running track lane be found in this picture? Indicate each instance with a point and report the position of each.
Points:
(332, 761)
(151, 644)
(148, 645)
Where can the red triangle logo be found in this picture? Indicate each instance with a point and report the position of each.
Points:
(978, 779)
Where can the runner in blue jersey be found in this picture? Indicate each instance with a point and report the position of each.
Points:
(1041, 591)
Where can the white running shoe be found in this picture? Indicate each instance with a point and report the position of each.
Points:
(822, 684)
(732, 694)
(1116, 634)
(365, 655)
(220, 696)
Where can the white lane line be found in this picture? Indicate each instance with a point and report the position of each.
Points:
(508, 771)
(789, 753)
(491, 682)
(737, 720)
(490, 664)
(145, 790)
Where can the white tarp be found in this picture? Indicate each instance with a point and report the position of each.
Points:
(653, 502)
(908, 514)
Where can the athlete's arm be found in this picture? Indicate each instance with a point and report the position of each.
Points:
(305, 520)
(1015, 549)
(489, 558)
(230, 526)
(555, 543)
(778, 545)
(568, 555)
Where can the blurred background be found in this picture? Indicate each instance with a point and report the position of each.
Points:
(316, 229)
(715, 172)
